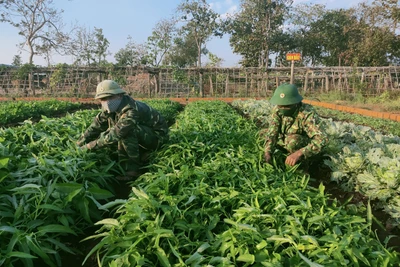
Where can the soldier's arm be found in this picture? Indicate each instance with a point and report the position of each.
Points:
(271, 134)
(124, 126)
(99, 124)
(316, 133)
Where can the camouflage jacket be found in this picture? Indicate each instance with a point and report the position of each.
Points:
(305, 122)
(110, 128)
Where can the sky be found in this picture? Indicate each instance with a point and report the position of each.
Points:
(120, 19)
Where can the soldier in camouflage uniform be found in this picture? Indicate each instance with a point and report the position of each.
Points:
(132, 126)
(294, 127)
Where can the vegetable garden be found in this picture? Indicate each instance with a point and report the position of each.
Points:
(207, 198)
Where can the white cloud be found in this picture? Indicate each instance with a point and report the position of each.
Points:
(224, 8)
(216, 6)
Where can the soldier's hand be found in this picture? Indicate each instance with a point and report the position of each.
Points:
(91, 145)
(294, 158)
(79, 143)
(267, 157)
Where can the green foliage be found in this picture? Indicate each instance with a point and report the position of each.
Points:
(183, 53)
(381, 125)
(209, 199)
(132, 55)
(17, 61)
(201, 23)
(160, 41)
(18, 111)
(24, 71)
(116, 73)
(58, 75)
(255, 30)
(359, 36)
(101, 45)
(50, 189)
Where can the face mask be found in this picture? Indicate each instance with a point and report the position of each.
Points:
(288, 112)
(111, 105)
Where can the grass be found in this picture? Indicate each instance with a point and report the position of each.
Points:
(388, 101)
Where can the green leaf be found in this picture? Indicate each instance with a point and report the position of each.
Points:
(68, 187)
(18, 254)
(140, 193)
(315, 219)
(261, 245)
(9, 229)
(249, 258)
(194, 259)
(50, 207)
(83, 206)
(162, 257)
(112, 222)
(113, 203)
(99, 193)
(4, 162)
(55, 228)
(309, 262)
(73, 194)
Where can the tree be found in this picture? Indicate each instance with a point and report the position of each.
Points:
(360, 36)
(304, 40)
(161, 41)
(38, 22)
(379, 43)
(17, 61)
(388, 13)
(89, 47)
(101, 45)
(183, 52)
(335, 31)
(254, 29)
(132, 55)
(200, 23)
(214, 60)
(82, 47)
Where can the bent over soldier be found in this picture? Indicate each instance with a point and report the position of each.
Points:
(294, 127)
(132, 126)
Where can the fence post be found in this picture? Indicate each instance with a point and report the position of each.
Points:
(201, 83)
(226, 85)
(305, 82)
(327, 83)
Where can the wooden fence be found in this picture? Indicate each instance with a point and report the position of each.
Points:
(67, 81)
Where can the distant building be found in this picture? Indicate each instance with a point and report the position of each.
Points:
(7, 66)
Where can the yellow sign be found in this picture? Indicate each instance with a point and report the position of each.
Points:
(293, 56)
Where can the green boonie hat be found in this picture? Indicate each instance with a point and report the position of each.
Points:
(286, 94)
(108, 88)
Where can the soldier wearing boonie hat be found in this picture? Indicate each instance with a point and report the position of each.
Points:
(133, 127)
(294, 127)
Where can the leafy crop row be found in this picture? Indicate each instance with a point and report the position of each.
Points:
(361, 159)
(50, 189)
(210, 200)
(382, 125)
(18, 111)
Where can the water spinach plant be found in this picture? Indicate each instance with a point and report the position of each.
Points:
(50, 189)
(18, 111)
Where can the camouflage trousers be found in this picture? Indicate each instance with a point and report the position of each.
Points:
(134, 150)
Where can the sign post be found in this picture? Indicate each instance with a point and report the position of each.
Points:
(292, 57)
